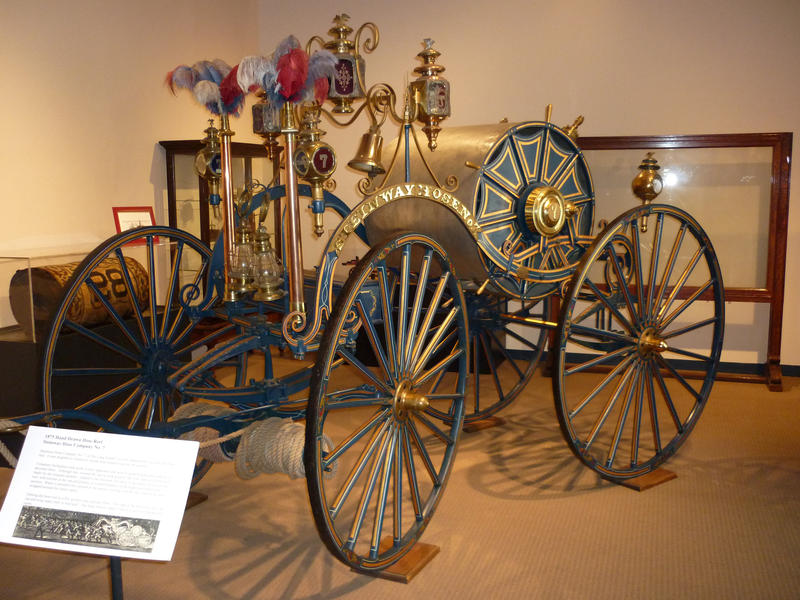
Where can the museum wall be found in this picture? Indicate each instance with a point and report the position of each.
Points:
(85, 105)
(630, 67)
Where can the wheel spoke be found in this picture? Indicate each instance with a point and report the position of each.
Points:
(681, 282)
(411, 473)
(132, 298)
(372, 336)
(668, 400)
(651, 279)
(113, 314)
(426, 324)
(364, 370)
(388, 326)
(334, 454)
(366, 455)
(667, 275)
(666, 322)
(599, 360)
(151, 272)
(402, 308)
(612, 401)
(623, 285)
(614, 310)
(177, 254)
(623, 416)
(368, 489)
(383, 493)
(423, 452)
(688, 328)
(422, 285)
(100, 340)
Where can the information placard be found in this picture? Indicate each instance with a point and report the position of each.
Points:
(98, 493)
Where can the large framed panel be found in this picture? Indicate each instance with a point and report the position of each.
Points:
(737, 187)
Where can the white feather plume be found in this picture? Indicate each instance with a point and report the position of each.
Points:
(251, 72)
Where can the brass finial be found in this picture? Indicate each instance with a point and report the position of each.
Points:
(647, 184)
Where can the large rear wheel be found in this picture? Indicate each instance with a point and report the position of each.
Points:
(639, 341)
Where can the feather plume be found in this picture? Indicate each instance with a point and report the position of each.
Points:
(181, 77)
(292, 74)
(231, 94)
(321, 88)
(321, 67)
(288, 44)
(203, 69)
(207, 92)
(251, 72)
(269, 83)
(222, 68)
(321, 64)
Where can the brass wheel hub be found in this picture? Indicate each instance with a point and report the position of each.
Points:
(545, 210)
(650, 342)
(406, 400)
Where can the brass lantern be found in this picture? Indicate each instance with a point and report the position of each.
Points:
(431, 93)
(347, 84)
(207, 162)
(268, 269)
(647, 184)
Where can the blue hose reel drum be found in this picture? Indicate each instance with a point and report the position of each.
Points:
(530, 192)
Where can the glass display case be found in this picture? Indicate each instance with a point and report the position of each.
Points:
(737, 187)
(30, 291)
(188, 193)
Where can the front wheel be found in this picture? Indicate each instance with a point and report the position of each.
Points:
(380, 440)
(639, 341)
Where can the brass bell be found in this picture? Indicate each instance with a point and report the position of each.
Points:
(368, 157)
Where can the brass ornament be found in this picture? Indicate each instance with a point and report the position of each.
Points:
(431, 93)
(647, 184)
(545, 211)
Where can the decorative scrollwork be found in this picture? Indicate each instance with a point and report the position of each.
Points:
(451, 183)
(366, 185)
(188, 294)
(293, 323)
(623, 254)
(370, 43)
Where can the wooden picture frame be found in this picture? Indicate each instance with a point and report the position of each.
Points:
(130, 217)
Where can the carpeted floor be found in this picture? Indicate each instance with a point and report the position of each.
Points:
(520, 518)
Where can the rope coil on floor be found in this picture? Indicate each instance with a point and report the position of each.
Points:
(4, 451)
(272, 445)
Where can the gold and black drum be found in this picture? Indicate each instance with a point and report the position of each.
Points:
(527, 192)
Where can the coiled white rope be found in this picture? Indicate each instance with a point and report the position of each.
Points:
(4, 451)
(272, 445)
(209, 438)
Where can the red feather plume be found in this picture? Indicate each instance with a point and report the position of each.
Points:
(292, 74)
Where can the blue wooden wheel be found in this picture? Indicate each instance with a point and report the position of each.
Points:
(116, 362)
(380, 440)
(639, 341)
(504, 351)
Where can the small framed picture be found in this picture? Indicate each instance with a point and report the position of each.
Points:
(130, 217)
